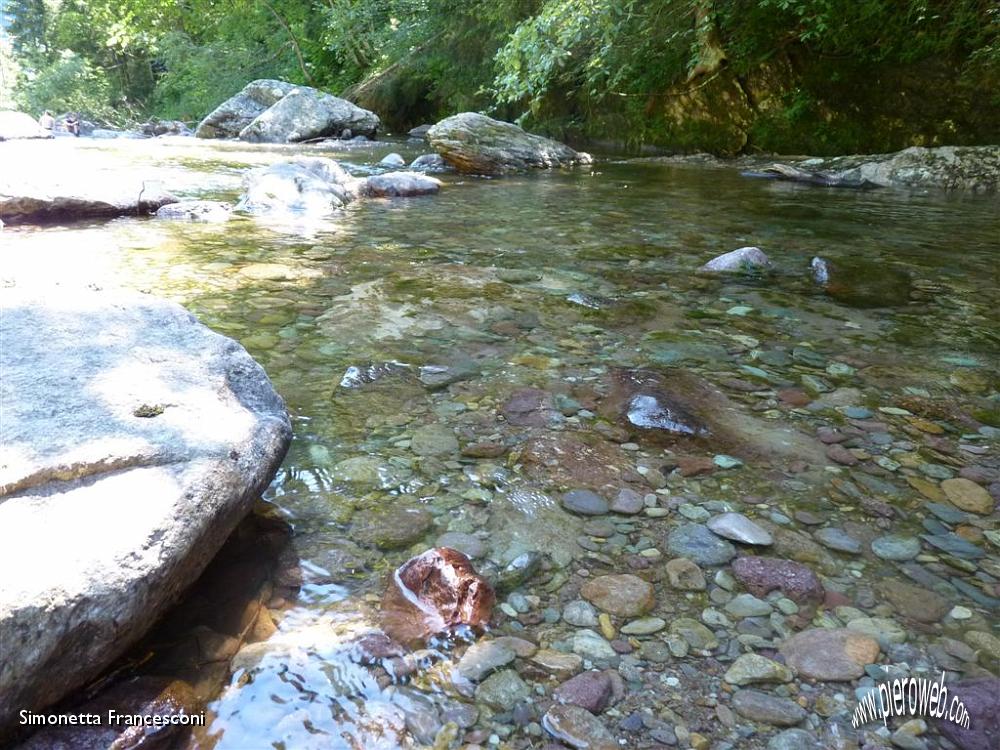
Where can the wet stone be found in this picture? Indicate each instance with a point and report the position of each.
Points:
(627, 502)
(577, 727)
(502, 690)
(581, 614)
(623, 595)
(954, 545)
(748, 605)
(697, 543)
(585, 502)
(793, 739)
(692, 632)
(968, 496)
(685, 575)
(557, 663)
(762, 575)
(832, 654)
(482, 658)
(644, 626)
(914, 602)
(434, 440)
(896, 547)
(980, 699)
(749, 669)
(767, 709)
(739, 528)
(838, 539)
(589, 690)
(589, 644)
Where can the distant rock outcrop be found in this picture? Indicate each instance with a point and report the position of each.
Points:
(268, 111)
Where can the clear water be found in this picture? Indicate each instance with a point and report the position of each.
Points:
(614, 252)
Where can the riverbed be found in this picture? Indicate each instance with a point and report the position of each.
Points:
(443, 357)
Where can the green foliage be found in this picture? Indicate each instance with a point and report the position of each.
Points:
(71, 83)
(584, 66)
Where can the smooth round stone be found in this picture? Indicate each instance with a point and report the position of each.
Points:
(749, 669)
(696, 635)
(726, 462)
(857, 412)
(699, 544)
(967, 495)
(580, 613)
(793, 739)
(748, 605)
(693, 512)
(628, 502)
(644, 626)
(937, 471)
(433, 440)
(838, 539)
(620, 595)
(469, 545)
(502, 690)
(685, 575)
(590, 645)
(739, 528)
(887, 632)
(599, 528)
(576, 727)
(767, 709)
(655, 651)
(585, 502)
(830, 654)
(896, 547)
(959, 613)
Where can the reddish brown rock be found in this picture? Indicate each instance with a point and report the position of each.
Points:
(840, 454)
(529, 407)
(981, 698)
(589, 690)
(761, 575)
(692, 466)
(433, 593)
(829, 654)
(560, 459)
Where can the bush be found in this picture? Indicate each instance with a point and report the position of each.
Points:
(69, 84)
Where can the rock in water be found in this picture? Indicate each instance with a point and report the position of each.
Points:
(400, 185)
(435, 592)
(478, 144)
(17, 125)
(741, 259)
(830, 654)
(50, 197)
(313, 186)
(234, 114)
(305, 113)
(981, 698)
(862, 283)
(133, 440)
(210, 211)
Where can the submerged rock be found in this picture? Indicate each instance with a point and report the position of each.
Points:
(697, 543)
(478, 144)
(195, 211)
(620, 595)
(981, 697)
(578, 728)
(312, 186)
(831, 654)
(433, 593)
(862, 283)
(134, 439)
(429, 163)
(741, 259)
(762, 575)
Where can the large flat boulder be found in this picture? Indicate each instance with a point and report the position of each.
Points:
(477, 144)
(17, 125)
(234, 114)
(133, 441)
(305, 113)
(48, 197)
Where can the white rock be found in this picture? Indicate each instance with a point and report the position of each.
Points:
(738, 260)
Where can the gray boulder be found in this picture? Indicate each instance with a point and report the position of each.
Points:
(17, 125)
(420, 132)
(305, 113)
(305, 185)
(477, 144)
(49, 198)
(429, 163)
(234, 114)
(741, 259)
(133, 441)
(400, 184)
